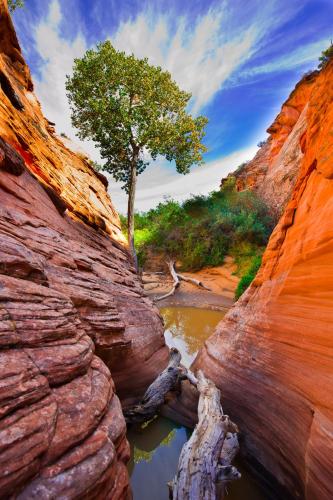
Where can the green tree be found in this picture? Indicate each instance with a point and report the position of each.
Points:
(133, 112)
(14, 4)
(326, 56)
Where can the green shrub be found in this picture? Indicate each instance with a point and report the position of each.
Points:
(325, 57)
(201, 231)
(14, 4)
(248, 277)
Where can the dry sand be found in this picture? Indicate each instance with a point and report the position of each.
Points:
(221, 280)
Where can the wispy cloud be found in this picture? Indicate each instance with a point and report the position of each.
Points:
(301, 56)
(204, 53)
(57, 54)
(201, 56)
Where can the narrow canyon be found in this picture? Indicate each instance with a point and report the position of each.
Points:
(80, 338)
(272, 355)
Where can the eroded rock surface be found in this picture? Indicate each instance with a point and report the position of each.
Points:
(272, 355)
(69, 298)
(273, 171)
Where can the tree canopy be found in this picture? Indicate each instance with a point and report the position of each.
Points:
(14, 4)
(134, 112)
(128, 106)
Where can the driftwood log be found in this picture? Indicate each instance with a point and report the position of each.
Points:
(176, 282)
(155, 394)
(204, 464)
(177, 278)
(198, 283)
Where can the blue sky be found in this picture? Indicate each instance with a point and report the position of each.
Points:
(239, 58)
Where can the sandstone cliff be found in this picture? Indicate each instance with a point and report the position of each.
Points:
(272, 356)
(273, 171)
(67, 289)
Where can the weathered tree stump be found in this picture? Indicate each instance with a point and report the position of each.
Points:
(204, 466)
(155, 394)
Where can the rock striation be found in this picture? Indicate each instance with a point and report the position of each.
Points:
(273, 171)
(272, 355)
(71, 308)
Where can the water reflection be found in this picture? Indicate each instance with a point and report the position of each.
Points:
(155, 451)
(155, 448)
(187, 328)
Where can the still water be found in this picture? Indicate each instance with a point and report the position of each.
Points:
(156, 447)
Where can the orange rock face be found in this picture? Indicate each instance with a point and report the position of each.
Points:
(272, 356)
(273, 171)
(69, 298)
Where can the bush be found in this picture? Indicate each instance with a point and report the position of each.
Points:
(261, 143)
(204, 229)
(325, 57)
(14, 4)
(249, 276)
(241, 167)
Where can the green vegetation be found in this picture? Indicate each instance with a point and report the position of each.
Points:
(14, 4)
(326, 56)
(204, 229)
(133, 112)
(247, 276)
(262, 143)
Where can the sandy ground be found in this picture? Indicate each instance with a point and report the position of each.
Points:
(220, 280)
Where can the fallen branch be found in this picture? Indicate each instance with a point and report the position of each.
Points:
(201, 470)
(176, 281)
(156, 392)
(200, 284)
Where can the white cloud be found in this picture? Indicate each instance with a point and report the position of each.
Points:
(306, 54)
(57, 55)
(200, 54)
(160, 181)
(200, 57)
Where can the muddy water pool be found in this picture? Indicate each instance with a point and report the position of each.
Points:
(155, 448)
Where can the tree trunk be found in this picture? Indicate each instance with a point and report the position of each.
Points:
(155, 394)
(130, 208)
(201, 466)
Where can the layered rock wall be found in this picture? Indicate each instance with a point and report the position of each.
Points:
(273, 171)
(69, 298)
(272, 355)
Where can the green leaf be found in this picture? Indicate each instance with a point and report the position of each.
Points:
(127, 107)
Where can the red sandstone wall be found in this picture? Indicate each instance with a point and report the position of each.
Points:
(273, 171)
(67, 289)
(272, 355)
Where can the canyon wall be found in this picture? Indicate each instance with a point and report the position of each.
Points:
(272, 355)
(273, 171)
(71, 308)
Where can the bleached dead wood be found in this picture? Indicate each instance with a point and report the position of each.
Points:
(200, 472)
(198, 283)
(176, 281)
(156, 392)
